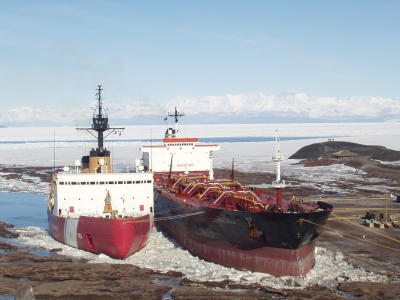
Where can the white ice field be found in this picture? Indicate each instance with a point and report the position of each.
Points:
(34, 146)
(162, 254)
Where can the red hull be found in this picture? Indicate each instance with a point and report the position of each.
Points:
(275, 261)
(117, 238)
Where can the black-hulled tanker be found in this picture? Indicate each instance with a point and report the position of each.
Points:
(225, 222)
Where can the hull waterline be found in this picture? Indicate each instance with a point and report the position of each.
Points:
(278, 244)
(117, 238)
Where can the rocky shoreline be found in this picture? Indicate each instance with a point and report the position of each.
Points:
(54, 276)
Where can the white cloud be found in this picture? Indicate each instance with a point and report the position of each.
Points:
(125, 111)
(290, 105)
(29, 114)
(293, 105)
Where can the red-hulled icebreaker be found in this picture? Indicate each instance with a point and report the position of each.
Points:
(94, 209)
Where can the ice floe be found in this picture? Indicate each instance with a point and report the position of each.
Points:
(162, 254)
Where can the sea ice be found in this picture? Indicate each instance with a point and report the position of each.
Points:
(163, 255)
(34, 145)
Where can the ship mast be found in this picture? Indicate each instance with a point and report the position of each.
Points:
(100, 126)
(278, 184)
(172, 132)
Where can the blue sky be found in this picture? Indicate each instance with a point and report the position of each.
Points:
(53, 53)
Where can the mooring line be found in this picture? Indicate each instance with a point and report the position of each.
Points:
(169, 210)
(366, 228)
(352, 236)
(167, 218)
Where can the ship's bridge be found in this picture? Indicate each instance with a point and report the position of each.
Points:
(179, 155)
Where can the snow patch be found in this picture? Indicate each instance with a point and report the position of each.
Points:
(20, 186)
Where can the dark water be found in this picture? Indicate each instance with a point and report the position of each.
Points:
(240, 139)
(23, 209)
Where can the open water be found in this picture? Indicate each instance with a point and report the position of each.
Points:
(23, 209)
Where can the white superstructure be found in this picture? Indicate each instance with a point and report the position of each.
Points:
(102, 194)
(179, 155)
(185, 154)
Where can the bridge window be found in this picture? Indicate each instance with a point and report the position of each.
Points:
(92, 182)
(137, 181)
(120, 182)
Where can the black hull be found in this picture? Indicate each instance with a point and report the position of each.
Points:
(242, 229)
(281, 244)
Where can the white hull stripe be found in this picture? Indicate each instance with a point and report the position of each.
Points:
(70, 230)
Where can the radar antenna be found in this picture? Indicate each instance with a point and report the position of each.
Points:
(171, 132)
(101, 126)
(176, 115)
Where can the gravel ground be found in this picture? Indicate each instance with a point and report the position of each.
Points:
(23, 271)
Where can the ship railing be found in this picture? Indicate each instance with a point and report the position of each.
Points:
(251, 194)
(193, 178)
(247, 198)
(217, 183)
(210, 188)
(188, 186)
(221, 196)
(233, 183)
(197, 184)
(255, 203)
(176, 182)
(254, 194)
(239, 184)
